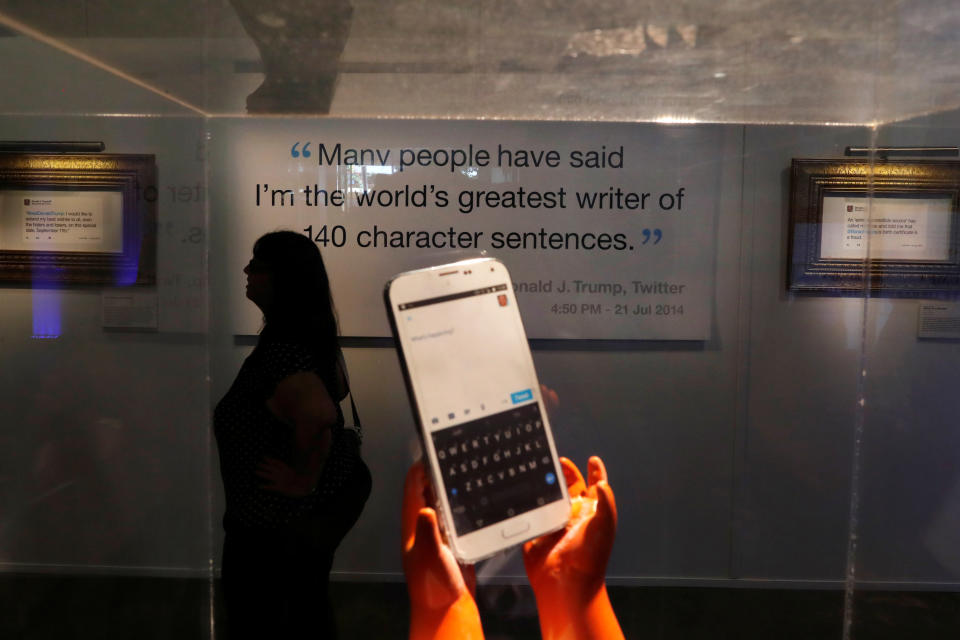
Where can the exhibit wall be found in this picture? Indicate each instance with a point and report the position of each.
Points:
(749, 440)
(738, 455)
(908, 507)
(105, 446)
(733, 230)
(106, 443)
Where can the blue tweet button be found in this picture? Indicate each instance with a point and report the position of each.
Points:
(521, 396)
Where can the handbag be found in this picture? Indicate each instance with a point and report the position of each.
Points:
(343, 459)
(345, 482)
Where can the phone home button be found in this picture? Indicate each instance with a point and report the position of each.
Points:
(515, 529)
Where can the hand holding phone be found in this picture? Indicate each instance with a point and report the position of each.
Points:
(488, 448)
(441, 591)
(567, 568)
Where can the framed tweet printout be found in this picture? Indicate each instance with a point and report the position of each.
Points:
(889, 228)
(77, 219)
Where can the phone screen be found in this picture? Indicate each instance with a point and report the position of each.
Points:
(478, 398)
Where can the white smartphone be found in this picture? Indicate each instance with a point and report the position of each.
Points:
(486, 438)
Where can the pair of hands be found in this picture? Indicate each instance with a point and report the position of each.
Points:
(565, 568)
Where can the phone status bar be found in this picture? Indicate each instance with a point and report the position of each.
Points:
(452, 296)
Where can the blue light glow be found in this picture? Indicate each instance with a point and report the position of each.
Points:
(46, 314)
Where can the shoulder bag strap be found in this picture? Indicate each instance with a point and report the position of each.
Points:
(356, 428)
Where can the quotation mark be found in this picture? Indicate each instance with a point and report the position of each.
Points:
(296, 153)
(657, 234)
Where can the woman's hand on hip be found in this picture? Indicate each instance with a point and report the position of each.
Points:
(282, 478)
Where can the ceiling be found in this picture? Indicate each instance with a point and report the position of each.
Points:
(757, 61)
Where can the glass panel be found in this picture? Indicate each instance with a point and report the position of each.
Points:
(105, 474)
(781, 460)
(105, 443)
(767, 61)
(906, 565)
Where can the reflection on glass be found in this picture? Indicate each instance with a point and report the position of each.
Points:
(46, 314)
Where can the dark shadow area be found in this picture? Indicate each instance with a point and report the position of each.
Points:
(38, 607)
(885, 615)
(41, 607)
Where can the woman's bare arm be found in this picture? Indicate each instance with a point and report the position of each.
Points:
(302, 401)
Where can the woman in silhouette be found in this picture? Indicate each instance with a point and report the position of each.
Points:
(292, 475)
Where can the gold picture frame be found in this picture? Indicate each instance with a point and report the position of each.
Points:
(77, 219)
(887, 228)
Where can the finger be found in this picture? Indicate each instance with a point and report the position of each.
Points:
(428, 533)
(575, 484)
(413, 501)
(417, 483)
(606, 505)
(596, 471)
(550, 398)
(601, 529)
(469, 577)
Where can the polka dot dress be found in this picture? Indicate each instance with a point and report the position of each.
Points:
(247, 432)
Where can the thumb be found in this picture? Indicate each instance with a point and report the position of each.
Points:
(601, 529)
(606, 507)
(413, 502)
(427, 541)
